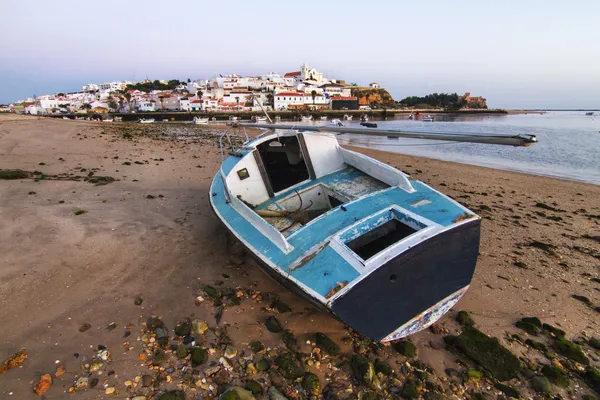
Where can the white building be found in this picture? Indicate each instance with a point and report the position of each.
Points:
(374, 85)
(334, 89)
(146, 105)
(283, 100)
(184, 104)
(198, 105)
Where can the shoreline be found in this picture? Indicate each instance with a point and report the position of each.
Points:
(150, 235)
(494, 167)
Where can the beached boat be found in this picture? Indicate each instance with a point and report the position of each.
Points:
(66, 118)
(427, 118)
(109, 119)
(147, 120)
(347, 117)
(364, 118)
(200, 121)
(323, 118)
(336, 122)
(386, 254)
(306, 118)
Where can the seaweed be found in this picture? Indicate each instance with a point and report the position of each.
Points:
(487, 352)
(556, 375)
(326, 344)
(570, 350)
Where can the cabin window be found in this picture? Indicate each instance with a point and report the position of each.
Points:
(380, 238)
(284, 162)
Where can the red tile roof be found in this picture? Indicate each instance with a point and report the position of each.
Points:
(292, 74)
(289, 94)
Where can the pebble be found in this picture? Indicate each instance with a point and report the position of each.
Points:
(199, 326)
(230, 352)
(81, 382)
(147, 380)
(139, 398)
(275, 394)
(109, 390)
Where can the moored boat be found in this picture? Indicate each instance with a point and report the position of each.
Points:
(364, 118)
(146, 120)
(336, 122)
(306, 118)
(200, 121)
(385, 254)
(427, 118)
(347, 117)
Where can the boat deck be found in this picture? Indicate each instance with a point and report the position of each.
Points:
(349, 182)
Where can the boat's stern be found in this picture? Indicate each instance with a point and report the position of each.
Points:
(412, 290)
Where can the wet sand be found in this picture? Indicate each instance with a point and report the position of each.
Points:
(151, 234)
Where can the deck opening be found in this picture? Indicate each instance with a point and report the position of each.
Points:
(380, 238)
(334, 202)
(284, 162)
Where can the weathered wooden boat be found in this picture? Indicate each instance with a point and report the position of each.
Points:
(386, 254)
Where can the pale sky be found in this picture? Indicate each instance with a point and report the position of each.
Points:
(517, 54)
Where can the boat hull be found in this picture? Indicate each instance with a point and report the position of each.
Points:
(414, 289)
(429, 279)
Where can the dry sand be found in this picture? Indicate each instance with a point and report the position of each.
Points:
(59, 270)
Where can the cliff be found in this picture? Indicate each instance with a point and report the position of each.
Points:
(368, 96)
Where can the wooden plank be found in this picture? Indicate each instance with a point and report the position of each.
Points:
(263, 172)
(306, 154)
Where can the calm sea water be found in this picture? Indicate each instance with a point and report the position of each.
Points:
(568, 142)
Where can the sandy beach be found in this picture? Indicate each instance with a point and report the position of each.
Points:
(85, 263)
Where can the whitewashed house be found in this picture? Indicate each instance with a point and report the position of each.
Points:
(374, 85)
(336, 90)
(146, 105)
(184, 104)
(283, 100)
(197, 104)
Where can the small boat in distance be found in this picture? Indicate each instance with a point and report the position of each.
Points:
(347, 117)
(336, 122)
(306, 118)
(411, 116)
(200, 121)
(146, 120)
(108, 119)
(427, 118)
(368, 124)
(364, 118)
(258, 119)
(589, 113)
(383, 252)
(323, 118)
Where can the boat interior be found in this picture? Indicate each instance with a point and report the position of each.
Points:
(290, 180)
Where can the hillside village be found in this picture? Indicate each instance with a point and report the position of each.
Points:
(306, 89)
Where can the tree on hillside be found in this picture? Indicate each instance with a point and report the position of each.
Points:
(121, 101)
(237, 102)
(161, 97)
(112, 105)
(128, 98)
